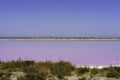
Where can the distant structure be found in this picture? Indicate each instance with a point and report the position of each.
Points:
(64, 38)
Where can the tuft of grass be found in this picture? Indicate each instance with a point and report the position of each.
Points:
(43, 69)
(60, 69)
(82, 70)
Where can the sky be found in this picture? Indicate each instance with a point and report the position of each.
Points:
(60, 18)
(68, 18)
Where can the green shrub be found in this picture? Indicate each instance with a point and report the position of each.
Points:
(93, 71)
(34, 77)
(82, 70)
(43, 69)
(82, 78)
(1, 74)
(113, 72)
(61, 69)
(112, 75)
(4, 78)
(21, 78)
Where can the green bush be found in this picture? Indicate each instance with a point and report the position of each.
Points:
(1, 74)
(82, 70)
(61, 69)
(34, 77)
(82, 78)
(113, 72)
(93, 71)
(4, 78)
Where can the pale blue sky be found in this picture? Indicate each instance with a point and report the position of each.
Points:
(59, 18)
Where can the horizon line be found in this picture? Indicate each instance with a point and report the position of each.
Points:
(63, 38)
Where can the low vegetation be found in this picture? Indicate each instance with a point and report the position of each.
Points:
(37, 71)
(43, 70)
